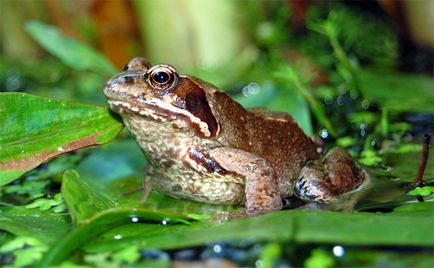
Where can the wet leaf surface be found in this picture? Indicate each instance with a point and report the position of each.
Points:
(295, 226)
(45, 225)
(36, 129)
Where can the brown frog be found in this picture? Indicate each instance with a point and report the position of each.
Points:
(206, 147)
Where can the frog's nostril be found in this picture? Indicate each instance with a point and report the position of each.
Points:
(128, 79)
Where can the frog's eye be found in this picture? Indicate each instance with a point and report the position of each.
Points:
(161, 77)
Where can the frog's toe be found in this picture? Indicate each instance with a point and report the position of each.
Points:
(312, 191)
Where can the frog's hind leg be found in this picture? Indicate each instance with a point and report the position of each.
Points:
(262, 186)
(333, 182)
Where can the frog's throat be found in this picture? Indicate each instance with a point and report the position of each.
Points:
(162, 111)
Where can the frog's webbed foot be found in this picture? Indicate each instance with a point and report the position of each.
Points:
(334, 182)
(262, 186)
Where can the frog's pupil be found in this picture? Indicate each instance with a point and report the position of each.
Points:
(161, 77)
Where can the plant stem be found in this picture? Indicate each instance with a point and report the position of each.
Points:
(425, 154)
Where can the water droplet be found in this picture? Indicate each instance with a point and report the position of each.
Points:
(217, 249)
(60, 149)
(13, 81)
(165, 222)
(134, 219)
(340, 100)
(251, 89)
(323, 133)
(354, 94)
(338, 251)
(365, 104)
(22, 151)
(118, 237)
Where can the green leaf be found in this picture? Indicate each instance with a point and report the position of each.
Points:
(319, 259)
(277, 97)
(369, 158)
(128, 255)
(346, 141)
(42, 225)
(82, 201)
(422, 191)
(290, 75)
(398, 92)
(32, 188)
(198, 217)
(295, 226)
(70, 51)
(406, 163)
(100, 223)
(46, 204)
(417, 206)
(26, 250)
(36, 129)
(270, 254)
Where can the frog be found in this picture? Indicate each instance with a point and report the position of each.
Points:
(204, 146)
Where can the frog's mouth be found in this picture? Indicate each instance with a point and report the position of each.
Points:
(151, 111)
(159, 111)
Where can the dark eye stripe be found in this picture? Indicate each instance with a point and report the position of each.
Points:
(197, 104)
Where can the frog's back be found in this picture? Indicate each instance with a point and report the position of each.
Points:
(273, 136)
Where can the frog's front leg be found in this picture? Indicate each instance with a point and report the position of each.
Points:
(326, 180)
(262, 185)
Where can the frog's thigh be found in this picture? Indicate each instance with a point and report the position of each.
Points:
(262, 188)
(325, 180)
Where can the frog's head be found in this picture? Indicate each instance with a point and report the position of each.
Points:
(159, 93)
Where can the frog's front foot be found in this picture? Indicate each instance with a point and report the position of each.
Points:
(335, 180)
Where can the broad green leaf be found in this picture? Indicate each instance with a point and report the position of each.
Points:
(296, 226)
(100, 223)
(80, 199)
(405, 165)
(417, 206)
(398, 92)
(70, 51)
(43, 225)
(34, 130)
